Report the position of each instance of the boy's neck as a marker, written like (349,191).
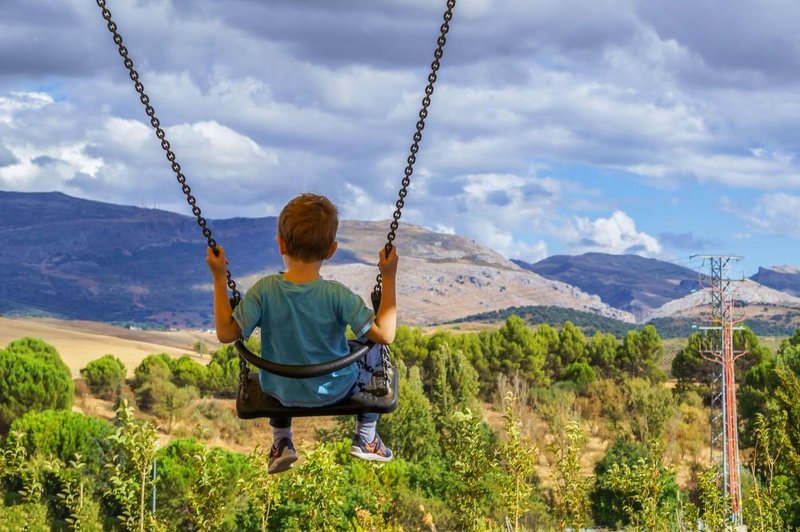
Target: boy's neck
(298,271)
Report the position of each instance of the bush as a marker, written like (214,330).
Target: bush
(32,377)
(581,374)
(607,501)
(62,434)
(187,372)
(182,467)
(104,376)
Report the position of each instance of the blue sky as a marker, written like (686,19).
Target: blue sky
(653,127)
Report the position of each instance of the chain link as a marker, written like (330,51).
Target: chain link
(162,136)
(412,157)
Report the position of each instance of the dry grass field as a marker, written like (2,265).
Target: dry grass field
(80,342)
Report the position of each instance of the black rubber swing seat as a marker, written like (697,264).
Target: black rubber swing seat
(252,402)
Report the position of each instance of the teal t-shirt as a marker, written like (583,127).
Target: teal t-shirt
(304,324)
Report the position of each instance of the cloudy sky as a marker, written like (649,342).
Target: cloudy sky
(654,127)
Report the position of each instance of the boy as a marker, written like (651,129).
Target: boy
(303,319)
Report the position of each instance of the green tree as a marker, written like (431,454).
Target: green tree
(74,495)
(518,457)
(602,352)
(260,487)
(129,468)
(470,457)
(607,501)
(648,489)
(104,376)
(640,353)
(315,494)
(19,473)
(572,345)
(38,349)
(197,485)
(410,430)
(764,506)
(454,383)
(188,372)
(581,373)
(572,487)
(715,507)
(32,377)
(64,434)
(649,408)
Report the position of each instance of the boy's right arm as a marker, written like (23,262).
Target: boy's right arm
(383,328)
(227,329)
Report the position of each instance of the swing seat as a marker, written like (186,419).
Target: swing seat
(378,395)
(259,404)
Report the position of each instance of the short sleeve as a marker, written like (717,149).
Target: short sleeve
(248,312)
(355,313)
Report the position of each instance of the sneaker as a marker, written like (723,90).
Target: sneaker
(282,456)
(375,450)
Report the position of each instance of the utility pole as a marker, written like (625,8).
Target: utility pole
(722,352)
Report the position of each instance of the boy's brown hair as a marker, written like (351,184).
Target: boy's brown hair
(308,225)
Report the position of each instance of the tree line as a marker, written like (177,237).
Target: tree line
(530,428)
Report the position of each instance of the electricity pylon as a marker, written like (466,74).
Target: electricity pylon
(722,352)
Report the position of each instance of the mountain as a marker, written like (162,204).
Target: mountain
(80,259)
(762,308)
(627,282)
(783,278)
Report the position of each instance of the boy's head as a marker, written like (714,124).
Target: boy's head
(307,226)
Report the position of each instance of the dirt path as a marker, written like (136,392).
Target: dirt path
(80,342)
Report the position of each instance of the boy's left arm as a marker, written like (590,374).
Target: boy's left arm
(227,329)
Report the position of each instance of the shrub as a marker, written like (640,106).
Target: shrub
(62,434)
(104,376)
(581,374)
(187,372)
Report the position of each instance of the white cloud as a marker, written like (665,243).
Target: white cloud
(777,213)
(21,101)
(260,108)
(616,234)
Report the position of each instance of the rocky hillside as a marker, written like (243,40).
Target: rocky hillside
(754,303)
(80,259)
(783,278)
(627,282)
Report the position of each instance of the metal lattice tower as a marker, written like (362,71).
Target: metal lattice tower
(724,425)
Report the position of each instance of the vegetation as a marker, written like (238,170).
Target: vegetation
(518,428)
(105,376)
(32,378)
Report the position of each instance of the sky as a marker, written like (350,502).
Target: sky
(661,128)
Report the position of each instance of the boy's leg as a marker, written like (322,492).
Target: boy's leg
(282,455)
(366,425)
(367,445)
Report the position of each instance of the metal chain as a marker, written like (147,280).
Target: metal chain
(181,178)
(244,379)
(412,158)
(154,121)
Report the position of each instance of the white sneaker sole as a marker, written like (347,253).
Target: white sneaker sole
(283,463)
(356,451)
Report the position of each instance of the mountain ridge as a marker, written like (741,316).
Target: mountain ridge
(81,259)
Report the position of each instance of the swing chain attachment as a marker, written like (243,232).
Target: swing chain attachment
(162,136)
(412,157)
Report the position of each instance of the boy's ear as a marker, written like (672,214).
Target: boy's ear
(281,245)
(332,250)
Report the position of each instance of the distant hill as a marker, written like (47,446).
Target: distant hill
(78,259)
(73,258)
(627,282)
(783,278)
(587,322)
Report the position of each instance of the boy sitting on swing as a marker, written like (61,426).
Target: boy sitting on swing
(303,318)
